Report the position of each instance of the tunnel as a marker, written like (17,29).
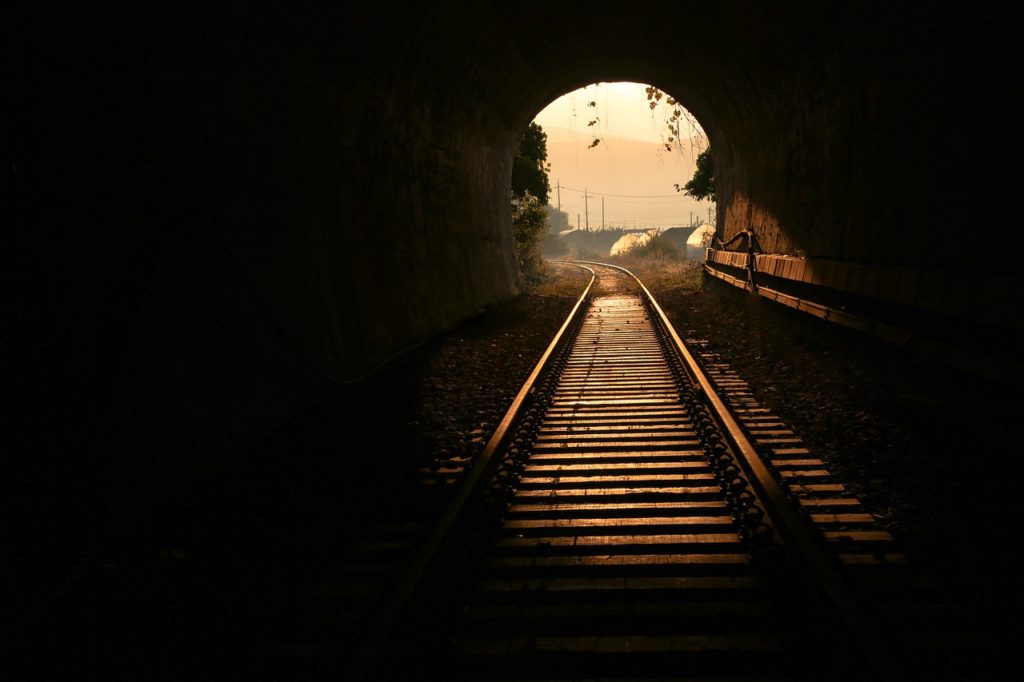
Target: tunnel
(219,215)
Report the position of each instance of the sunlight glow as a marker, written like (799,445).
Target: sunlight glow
(621,109)
(628,178)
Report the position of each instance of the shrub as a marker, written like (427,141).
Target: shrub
(658,247)
(529,222)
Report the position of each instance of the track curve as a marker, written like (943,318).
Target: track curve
(624,531)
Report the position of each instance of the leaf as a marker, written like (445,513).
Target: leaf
(592,104)
(592,123)
(668,147)
(594,144)
(653,105)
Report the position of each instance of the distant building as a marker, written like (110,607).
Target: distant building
(698,241)
(678,236)
(691,239)
(584,244)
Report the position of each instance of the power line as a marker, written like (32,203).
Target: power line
(636,201)
(627,196)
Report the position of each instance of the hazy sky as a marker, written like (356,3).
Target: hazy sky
(629,168)
(621,107)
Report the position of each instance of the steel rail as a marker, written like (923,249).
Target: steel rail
(793,530)
(484,465)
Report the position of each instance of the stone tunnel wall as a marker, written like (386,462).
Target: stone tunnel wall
(220,215)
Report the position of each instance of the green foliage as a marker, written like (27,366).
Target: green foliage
(702,185)
(530,167)
(529,223)
(530,189)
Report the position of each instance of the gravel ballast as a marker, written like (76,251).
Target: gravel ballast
(930,451)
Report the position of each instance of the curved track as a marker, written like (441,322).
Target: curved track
(621,524)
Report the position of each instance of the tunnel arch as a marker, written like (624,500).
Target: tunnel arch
(274,197)
(760,182)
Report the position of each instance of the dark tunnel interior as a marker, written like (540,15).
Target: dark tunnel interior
(219,217)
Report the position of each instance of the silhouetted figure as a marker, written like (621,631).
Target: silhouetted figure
(752,247)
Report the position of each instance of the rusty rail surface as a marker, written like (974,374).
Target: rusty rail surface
(795,531)
(639,526)
(477,476)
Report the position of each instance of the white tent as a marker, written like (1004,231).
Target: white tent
(699,240)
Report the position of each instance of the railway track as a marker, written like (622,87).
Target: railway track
(636,517)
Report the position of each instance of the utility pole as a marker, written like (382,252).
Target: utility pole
(577,221)
(559,184)
(586,209)
(602,214)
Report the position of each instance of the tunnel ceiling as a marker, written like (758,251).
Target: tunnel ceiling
(237,208)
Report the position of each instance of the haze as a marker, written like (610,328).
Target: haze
(629,169)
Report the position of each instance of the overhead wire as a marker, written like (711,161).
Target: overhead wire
(625,196)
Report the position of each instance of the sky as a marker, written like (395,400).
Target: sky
(629,170)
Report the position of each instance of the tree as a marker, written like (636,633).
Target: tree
(530,168)
(530,189)
(529,221)
(702,185)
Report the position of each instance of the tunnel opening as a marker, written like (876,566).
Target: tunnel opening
(618,164)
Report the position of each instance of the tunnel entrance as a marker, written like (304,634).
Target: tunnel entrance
(625,169)
(224,217)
